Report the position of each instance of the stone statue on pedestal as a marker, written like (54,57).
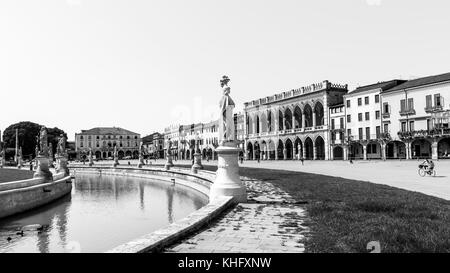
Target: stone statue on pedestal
(61,149)
(141,155)
(228,181)
(116,157)
(42,159)
(43,141)
(226,119)
(169,162)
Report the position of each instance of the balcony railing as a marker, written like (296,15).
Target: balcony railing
(386,115)
(430,109)
(438,132)
(405,112)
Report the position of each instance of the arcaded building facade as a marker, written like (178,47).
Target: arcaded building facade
(292,124)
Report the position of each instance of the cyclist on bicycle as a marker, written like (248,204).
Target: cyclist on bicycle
(428,164)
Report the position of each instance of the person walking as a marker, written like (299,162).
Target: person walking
(302,159)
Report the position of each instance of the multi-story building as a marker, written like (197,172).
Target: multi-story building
(239,129)
(338,150)
(102,140)
(154,144)
(417,118)
(364,122)
(291,124)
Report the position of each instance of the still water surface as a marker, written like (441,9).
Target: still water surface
(102,212)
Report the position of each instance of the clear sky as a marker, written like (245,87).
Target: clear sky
(143,65)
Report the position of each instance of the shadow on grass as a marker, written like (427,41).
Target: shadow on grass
(347,214)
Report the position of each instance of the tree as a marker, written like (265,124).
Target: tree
(27,136)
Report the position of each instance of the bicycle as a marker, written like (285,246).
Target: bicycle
(423,170)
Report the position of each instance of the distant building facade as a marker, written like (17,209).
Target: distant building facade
(291,124)
(365,138)
(154,145)
(102,141)
(416,115)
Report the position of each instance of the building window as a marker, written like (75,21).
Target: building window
(348,103)
(377,114)
(411,125)
(372,148)
(349,118)
(360,117)
(377,98)
(386,128)
(386,108)
(403,128)
(367,133)
(360,131)
(332,124)
(437,100)
(341,123)
(402,105)
(366,100)
(428,102)
(349,132)
(378,131)
(359,101)
(410,104)
(81,144)
(367,116)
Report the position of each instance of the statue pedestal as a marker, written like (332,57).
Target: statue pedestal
(169,162)
(197,163)
(62,165)
(42,170)
(116,162)
(141,162)
(228,182)
(19,163)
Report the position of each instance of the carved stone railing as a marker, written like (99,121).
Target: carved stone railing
(309,129)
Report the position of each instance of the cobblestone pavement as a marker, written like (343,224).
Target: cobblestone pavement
(270,222)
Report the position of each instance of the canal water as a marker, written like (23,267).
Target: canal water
(101,213)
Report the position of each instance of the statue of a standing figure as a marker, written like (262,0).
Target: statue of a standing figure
(169,147)
(226,119)
(43,139)
(61,149)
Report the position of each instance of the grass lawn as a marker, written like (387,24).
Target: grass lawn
(347,214)
(8,175)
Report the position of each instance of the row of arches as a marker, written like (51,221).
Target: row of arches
(287,150)
(420,148)
(288,119)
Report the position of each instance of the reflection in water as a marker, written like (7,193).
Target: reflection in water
(141,195)
(169,193)
(100,214)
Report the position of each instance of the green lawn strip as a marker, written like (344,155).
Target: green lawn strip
(8,175)
(347,214)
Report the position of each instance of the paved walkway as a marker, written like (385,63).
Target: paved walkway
(270,222)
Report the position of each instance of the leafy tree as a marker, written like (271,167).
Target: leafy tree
(27,136)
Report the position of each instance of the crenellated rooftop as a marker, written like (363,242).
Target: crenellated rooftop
(321,86)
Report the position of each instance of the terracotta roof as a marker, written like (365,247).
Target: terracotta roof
(380,85)
(107,131)
(421,81)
